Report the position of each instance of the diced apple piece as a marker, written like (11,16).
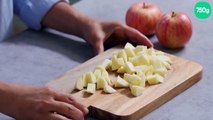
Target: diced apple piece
(90,77)
(140,48)
(79,85)
(129,45)
(159,53)
(126,75)
(155,79)
(120,82)
(97,73)
(133,60)
(129,67)
(165,58)
(105,75)
(85,81)
(136,90)
(149,75)
(161,71)
(161,60)
(109,89)
(151,52)
(101,83)
(156,62)
(129,52)
(143,79)
(117,62)
(143,68)
(91,88)
(133,79)
(141,59)
(167,65)
(122,54)
(121,70)
(107,64)
(145,60)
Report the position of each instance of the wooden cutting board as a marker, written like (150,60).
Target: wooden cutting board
(122,105)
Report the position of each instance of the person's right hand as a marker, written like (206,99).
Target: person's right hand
(42,103)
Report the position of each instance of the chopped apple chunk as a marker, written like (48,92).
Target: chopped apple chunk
(117,62)
(120,82)
(90,77)
(97,73)
(107,64)
(129,45)
(129,52)
(140,49)
(91,88)
(101,83)
(79,85)
(155,79)
(122,54)
(109,89)
(136,90)
(121,70)
(129,67)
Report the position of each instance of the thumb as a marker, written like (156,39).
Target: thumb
(98,47)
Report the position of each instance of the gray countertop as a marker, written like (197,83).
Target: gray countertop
(33,57)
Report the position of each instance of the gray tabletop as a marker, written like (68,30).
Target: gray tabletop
(36,57)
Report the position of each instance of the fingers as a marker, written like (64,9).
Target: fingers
(55,116)
(69,99)
(79,106)
(98,42)
(137,37)
(98,47)
(67,110)
(132,34)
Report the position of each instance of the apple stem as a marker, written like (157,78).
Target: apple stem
(173,14)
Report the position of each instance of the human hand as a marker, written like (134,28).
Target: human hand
(95,32)
(42,103)
(112,33)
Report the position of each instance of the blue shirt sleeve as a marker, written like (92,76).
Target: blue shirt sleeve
(33,11)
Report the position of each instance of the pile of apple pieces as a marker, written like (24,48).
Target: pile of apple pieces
(137,66)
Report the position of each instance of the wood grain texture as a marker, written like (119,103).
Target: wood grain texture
(122,105)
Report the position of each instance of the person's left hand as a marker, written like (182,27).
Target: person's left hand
(112,33)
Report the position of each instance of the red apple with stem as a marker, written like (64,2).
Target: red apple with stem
(143,17)
(174,30)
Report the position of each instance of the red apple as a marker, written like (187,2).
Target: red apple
(143,17)
(174,30)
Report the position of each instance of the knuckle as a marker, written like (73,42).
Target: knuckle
(97,37)
(71,98)
(43,104)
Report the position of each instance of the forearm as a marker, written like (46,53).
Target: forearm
(6,98)
(65,18)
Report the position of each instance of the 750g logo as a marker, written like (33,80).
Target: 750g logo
(202,9)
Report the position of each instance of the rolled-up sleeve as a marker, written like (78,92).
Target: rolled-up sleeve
(33,11)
